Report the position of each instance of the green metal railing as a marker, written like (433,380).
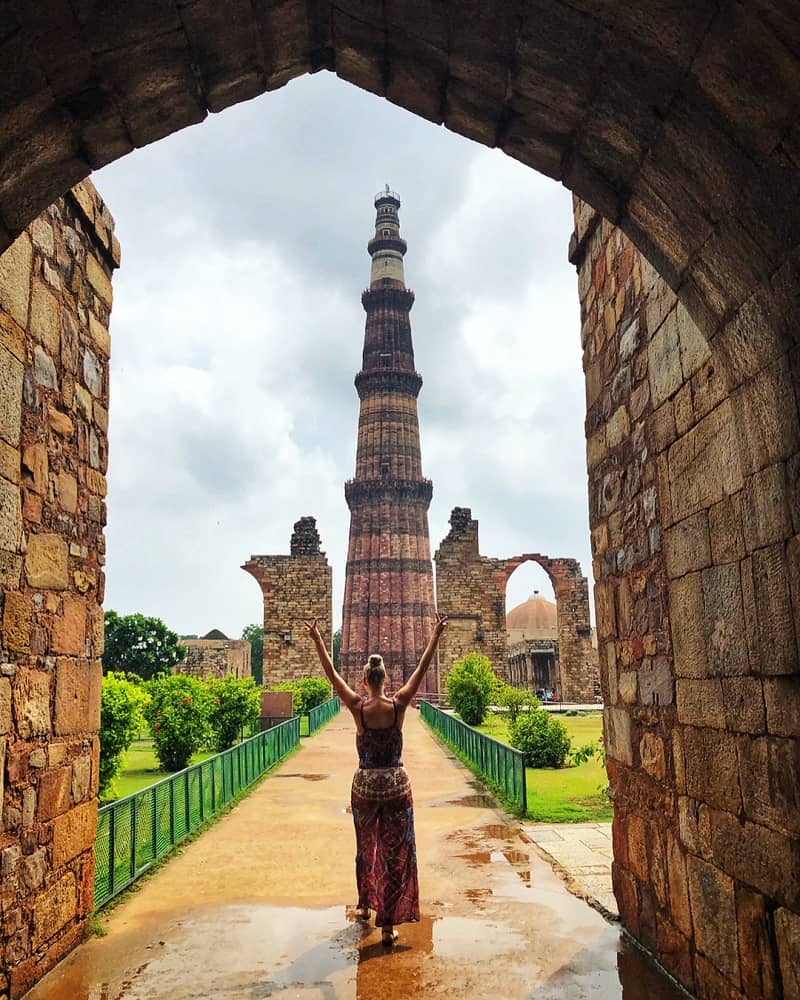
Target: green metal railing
(134,832)
(501,765)
(323,713)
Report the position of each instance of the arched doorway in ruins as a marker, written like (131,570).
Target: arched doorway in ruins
(679,126)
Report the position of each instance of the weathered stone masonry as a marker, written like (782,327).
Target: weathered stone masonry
(55,301)
(295,587)
(216,658)
(693,460)
(471,591)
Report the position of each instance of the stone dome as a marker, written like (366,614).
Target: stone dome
(536,618)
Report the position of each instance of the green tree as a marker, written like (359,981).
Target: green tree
(469,687)
(140,645)
(513,700)
(121,718)
(337,647)
(233,703)
(254,634)
(178,715)
(542,739)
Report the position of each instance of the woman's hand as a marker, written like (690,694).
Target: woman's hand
(312,630)
(440,626)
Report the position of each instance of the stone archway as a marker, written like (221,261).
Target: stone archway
(578,667)
(679,124)
(471,591)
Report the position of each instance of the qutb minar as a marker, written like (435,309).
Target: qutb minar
(388,596)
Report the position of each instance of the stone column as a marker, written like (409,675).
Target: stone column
(295,587)
(55,302)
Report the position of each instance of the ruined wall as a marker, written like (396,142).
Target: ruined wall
(295,587)
(471,591)
(216,658)
(693,464)
(55,300)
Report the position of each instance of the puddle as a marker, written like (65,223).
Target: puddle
(498,831)
(305,777)
(472,802)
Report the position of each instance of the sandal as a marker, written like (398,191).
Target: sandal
(388,937)
(362,912)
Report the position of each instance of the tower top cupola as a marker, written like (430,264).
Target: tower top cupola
(387,247)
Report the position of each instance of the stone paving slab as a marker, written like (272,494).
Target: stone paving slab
(582,852)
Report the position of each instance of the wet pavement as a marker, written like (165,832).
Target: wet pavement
(258,906)
(583,854)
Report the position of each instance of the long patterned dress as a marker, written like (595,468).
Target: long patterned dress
(383,814)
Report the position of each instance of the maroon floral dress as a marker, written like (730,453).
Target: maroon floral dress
(383,815)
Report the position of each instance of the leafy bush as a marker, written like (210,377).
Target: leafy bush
(541,738)
(307,693)
(178,715)
(514,700)
(121,718)
(140,645)
(233,703)
(469,687)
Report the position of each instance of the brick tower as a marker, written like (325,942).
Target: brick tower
(388,595)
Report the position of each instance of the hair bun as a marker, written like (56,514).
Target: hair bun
(375,660)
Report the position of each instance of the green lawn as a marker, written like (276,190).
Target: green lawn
(567,794)
(140,769)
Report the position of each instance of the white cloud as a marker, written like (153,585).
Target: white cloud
(237,330)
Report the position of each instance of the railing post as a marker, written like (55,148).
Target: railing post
(154,824)
(112,852)
(134,835)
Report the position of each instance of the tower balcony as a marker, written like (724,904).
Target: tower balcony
(378,380)
(387,297)
(364,492)
(396,243)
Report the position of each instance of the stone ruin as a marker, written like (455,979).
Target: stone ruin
(471,591)
(295,587)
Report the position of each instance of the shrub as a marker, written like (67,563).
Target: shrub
(178,717)
(233,703)
(514,700)
(541,738)
(469,687)
(121,718)
(307,693)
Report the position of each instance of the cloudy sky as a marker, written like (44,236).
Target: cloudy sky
(237,330)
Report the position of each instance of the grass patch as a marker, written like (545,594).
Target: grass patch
(566,794)
(140,769)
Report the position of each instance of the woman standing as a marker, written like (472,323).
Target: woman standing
(383,809)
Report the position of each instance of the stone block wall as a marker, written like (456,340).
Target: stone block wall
(471,591)
(295,587)
(693,451)
(216,658)
(55,302)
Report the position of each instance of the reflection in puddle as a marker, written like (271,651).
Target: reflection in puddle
(471,801)
(498,831)
(305,777)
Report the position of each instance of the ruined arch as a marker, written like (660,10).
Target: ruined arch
(579,675)
(471,591)
(679,124)
(675,122)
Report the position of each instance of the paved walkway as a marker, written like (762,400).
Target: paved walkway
(582,853)
(258,905)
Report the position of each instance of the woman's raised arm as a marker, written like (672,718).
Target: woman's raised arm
(406,693)
(338,683)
